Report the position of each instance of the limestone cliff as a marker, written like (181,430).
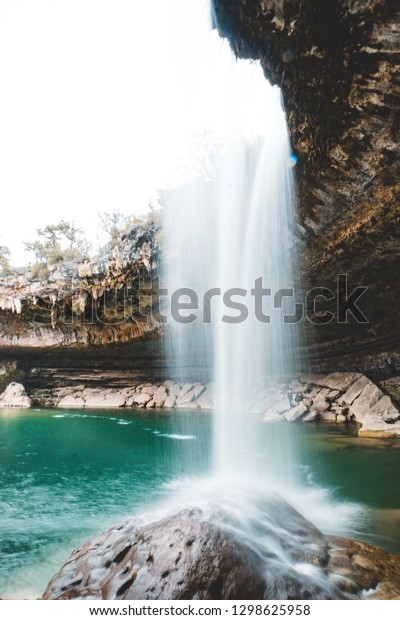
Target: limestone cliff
(337,63)
(73,316)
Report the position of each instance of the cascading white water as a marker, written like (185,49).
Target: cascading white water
(228,231)
(228,227)
(254,202)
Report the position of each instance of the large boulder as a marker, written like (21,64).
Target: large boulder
(187,395)
(15,396)
(141,400)
(343,397)
(72,400)
(296,413)
(334,381)
(369,397)
(377,427)
(386,410)
(259,548)
(160,396)
(179,558)
(107,399)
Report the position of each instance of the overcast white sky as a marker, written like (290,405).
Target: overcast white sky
(100,100)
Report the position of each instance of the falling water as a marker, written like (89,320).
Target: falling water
(228,229)
(254,202)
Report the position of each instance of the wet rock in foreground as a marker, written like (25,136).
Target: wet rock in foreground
(192,556)
(178,558)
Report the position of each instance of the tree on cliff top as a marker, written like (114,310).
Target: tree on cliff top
(4,259)
(113,222)
(58,242)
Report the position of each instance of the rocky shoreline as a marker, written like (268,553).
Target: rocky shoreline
(337,398)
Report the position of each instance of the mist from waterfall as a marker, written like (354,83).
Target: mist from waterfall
(227,231)
(229,227)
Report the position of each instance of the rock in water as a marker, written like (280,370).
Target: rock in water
(363,569)
(212,554)
(179,558)
(260,549)
(15,396)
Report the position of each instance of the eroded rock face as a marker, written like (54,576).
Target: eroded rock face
(74,305)
(336,62)
(195,555)
(84,318)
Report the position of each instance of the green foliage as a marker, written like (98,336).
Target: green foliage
(4,259)
(39,272)
(59,242)
(38,248)
(113,223)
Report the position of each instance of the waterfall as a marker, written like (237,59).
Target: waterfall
(255,203)
(228,232)
(228,227)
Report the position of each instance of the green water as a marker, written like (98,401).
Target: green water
(65,476)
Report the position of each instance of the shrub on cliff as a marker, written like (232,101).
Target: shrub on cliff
(58,242)
(4,259)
